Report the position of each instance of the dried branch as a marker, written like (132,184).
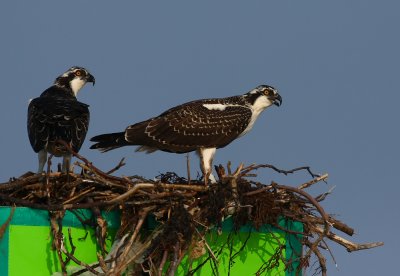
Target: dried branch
(6,223)
(124,263)
(321,258)
(58,238)
(116,168)
(317,179)
(251,168)
(350,246)
(137,198)
(162,263)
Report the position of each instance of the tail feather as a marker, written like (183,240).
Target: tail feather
(109,141)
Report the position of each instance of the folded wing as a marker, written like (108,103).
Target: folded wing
(52,119)
(191,126)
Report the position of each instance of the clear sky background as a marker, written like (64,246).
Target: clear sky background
(336,65)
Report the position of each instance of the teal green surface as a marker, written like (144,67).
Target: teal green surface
(4,243)
(25,248)
(27,244)
(260,246)
(35,217)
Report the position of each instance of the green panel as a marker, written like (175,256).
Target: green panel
(25,248)
(35,217)
(4,242)
(293,244)
(29,247)
(259,248)
(30,250)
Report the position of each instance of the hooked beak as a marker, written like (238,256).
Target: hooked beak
(277,99)
(91,79)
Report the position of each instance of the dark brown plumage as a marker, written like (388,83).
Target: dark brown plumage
(58,115)
(198,125)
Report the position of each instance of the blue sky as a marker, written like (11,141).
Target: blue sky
(336,66)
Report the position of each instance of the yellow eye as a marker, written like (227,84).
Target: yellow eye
(78,73)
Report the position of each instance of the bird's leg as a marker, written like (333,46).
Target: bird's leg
(42,157)
(66,163)
(206,159)
(206,177)
(211,177)
(202,166)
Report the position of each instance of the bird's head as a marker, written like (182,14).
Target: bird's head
(75,78)
(263,96)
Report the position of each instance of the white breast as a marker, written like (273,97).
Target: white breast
(77,84)
(259,106)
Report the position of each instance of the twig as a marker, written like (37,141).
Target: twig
(350,246)
(136,197)
(79,195)
(150,185)
(162,263)
(334,223)
(102,263)
(58,238)
(321,258)
(207,246)
(330,252)
(324,216)
(101,228)
(322,196)
(23,181)
(71,244)
(116,168)
(317,179)
(258,191)
(89,164)
(7,222)
(122,265)
(285,172)
(110,180)
(174,263)
(73,258)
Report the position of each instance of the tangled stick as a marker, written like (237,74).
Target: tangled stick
(179,209)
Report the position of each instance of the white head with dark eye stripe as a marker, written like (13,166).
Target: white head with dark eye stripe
(263,96)
(75,78)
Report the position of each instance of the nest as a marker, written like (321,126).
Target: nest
(186,210)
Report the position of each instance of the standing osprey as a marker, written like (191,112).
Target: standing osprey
(202,126)
(57,115)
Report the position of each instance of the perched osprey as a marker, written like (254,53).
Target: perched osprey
(202,126)
(57,115)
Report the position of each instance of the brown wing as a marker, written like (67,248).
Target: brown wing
(191,126)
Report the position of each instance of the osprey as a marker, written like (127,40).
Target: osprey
(201,125)
(57,115)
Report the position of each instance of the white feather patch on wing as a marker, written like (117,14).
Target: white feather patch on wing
(220,107)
